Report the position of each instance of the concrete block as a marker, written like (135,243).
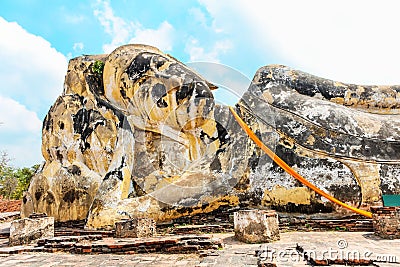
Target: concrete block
(26,231)
(136,227)
(256,226)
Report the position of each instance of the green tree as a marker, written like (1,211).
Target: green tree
(4,160)
(23,176)
(14,181)
(8,181)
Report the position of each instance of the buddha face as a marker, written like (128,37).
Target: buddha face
(155,90)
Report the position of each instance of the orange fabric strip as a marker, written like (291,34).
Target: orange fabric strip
(292,172)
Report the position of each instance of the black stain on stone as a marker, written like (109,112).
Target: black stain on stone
(178,70)
(193,85)
(391,184)
(73,195)
(142,63)
(49,198)
(123,93)
(95,83)
(202,92)
(347,192)
(122,88)
(184,93)
(47,123)
(85,122)
(70,196)
(38,194)
(117,173)
(48,120)
(158,92)
(222,135)
(74,170)
(215,164)
(139,66)
(303,83)
(161,103)
(304,87)
(287,155)
(102,103)
(158,61)
(253,160)
(161,159)
(81,123)
(59,155)
(315,207)
(251,198)
(137,190)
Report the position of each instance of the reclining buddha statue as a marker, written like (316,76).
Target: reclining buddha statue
(137,133)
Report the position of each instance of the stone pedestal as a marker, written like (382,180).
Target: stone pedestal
(256,226)
(25,231)
(137,227)
(386,221)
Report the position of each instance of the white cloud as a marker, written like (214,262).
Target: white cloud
(113,25)
(31,71)
(160,38)
(123,32)
(31,77)
(78,47)
(209,43)
(24,151)
(20,131)
(198,53)
(198,16)
(351,41)
(15,117)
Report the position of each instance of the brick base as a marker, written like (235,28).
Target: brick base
(386,221)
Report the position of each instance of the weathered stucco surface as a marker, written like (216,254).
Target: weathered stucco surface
(144,137)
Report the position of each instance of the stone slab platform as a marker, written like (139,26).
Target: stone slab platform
(96,244)
(234,253)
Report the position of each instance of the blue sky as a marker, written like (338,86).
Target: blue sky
(350,41)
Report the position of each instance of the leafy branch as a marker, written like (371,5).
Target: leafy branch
(98,67)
